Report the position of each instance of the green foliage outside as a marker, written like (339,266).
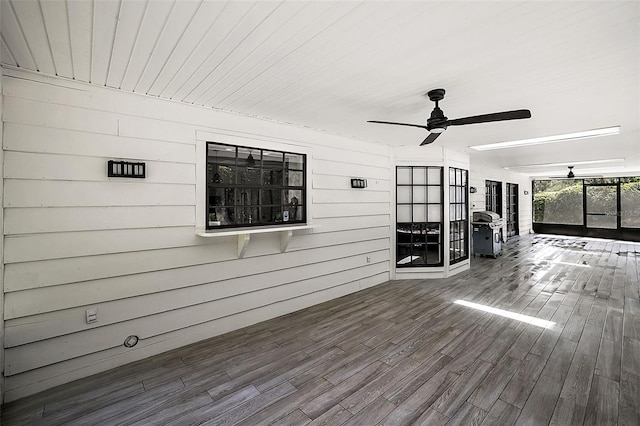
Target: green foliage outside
(557,201)
(630,204)
(560,201)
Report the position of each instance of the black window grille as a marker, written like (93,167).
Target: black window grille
(458,215)
(493,196)
(512,209)
(250,187)
(419,216)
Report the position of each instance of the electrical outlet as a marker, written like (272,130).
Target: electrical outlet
(368,259)
(92,315)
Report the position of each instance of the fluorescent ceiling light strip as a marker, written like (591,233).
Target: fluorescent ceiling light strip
(567,163)
(550,139)
(519,317)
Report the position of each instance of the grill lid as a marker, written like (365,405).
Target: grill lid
(486,217)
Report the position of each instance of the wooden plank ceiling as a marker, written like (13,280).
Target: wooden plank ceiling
(334,65)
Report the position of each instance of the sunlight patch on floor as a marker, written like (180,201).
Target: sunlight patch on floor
(507,314)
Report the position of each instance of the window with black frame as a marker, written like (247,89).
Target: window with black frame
(493,196)
(248,187)
(419,216)
(558,201)
(458,215)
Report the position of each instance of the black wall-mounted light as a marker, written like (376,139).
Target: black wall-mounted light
(358,183)
(126,169)
(473,189)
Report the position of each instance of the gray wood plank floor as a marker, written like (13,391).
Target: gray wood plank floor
(403,353)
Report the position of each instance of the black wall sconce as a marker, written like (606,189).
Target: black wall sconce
(125,169)
(358,183)
(473,189)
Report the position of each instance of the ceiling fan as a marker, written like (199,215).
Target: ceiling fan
(438,123)
(571,175)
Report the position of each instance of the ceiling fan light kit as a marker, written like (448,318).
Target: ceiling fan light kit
(437,122)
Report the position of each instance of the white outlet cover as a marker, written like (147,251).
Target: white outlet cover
(92,315)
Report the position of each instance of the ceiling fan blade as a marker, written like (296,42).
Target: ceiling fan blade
(398,124)
(575,177)
(432,137)
(496,116)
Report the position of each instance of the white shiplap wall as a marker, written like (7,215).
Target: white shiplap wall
(479,173)
(75,239)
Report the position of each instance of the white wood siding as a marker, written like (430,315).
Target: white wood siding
(75,239)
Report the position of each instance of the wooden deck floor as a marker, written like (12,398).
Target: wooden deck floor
(403,353)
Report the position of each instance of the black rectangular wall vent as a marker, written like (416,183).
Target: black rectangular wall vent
(126,169)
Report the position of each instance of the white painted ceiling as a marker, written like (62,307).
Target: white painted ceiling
(335,65)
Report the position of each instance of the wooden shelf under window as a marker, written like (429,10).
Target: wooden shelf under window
(244,235)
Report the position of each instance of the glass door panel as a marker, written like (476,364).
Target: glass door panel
(630,202)
(512,209)
(601,202)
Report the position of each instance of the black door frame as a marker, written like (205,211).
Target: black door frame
(493,190)
(512,209)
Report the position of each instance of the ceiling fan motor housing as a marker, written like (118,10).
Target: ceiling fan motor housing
(437,122)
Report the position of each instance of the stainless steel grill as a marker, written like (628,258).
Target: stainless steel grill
(486,233)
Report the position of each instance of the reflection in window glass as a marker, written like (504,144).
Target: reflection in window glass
(294,161)
(294,178)
(630,202)
(272,177)
(254,187)
(271,197)
(558,202)
(602,222)
(419,216)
